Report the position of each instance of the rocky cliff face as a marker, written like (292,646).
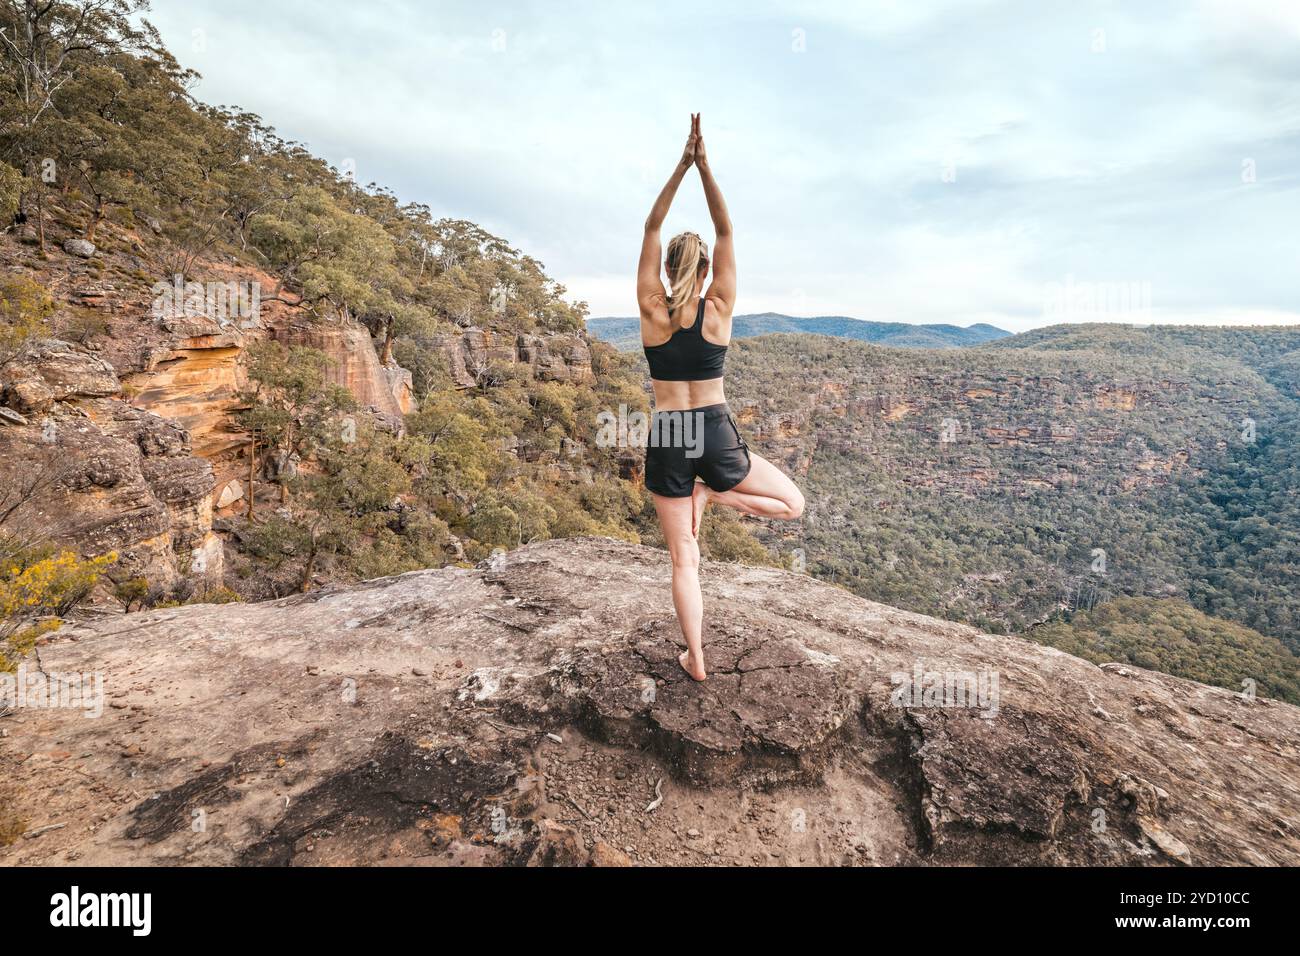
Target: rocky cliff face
(134,428)
(180,366)
(550,358)
(383,389)
(82,467)
(955,422)
(532,711)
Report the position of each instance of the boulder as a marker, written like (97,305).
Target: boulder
(232,492)
(49,370)
(81,248)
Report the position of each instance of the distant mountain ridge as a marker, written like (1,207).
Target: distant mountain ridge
(625,333)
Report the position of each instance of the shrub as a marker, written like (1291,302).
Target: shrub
(37,588)
(24,307)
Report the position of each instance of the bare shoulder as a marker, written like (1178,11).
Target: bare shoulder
(656,324)
(717,321)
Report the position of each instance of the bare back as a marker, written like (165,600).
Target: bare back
(659,326)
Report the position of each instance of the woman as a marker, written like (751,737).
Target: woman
(699,456)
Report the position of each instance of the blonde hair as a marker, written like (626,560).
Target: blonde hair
(687,255)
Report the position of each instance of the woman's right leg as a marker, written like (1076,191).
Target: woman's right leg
(675,520)
(765,492)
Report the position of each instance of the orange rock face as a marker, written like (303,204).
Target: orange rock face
(354,363)
(196,386)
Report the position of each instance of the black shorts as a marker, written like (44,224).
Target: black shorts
(702,442)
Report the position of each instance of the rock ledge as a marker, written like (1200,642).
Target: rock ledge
(529,711)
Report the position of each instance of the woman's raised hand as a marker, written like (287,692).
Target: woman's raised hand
(688,154)
(698,137)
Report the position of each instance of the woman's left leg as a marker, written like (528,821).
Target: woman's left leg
(679,536)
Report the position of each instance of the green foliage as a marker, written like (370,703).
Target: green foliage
(347,516)
(11,191)
(131,593)
(1067,440)
(39,584)
(1172,636)
(82,325)
(25,305)
(291,402)
(723,537)
(492,498)
(54,60)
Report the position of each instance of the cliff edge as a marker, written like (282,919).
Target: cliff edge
(531,710)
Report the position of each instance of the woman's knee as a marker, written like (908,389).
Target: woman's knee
(794,505)
(685,552)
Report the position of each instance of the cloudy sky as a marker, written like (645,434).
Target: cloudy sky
(961,161)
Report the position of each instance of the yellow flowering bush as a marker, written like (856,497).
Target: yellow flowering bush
(35,590)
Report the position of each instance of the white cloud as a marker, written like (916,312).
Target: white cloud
(555,125)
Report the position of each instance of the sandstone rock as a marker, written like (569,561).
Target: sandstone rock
(199,330)
(800,727)
(232,492)
(602,854)
(153,435)
(103,476)
(48,370)
(354,364)
(196,384)
(31,395)
(399,383)
(81,248)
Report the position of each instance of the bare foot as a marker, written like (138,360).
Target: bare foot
(683,659)
(699,501)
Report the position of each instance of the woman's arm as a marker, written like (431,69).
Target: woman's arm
(649,287)
(723,288)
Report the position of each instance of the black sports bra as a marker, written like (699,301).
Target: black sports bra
(688,356)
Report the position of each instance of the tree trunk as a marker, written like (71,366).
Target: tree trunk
(40,217)
(310,568)
(387,357)
(95,220)
(252,464)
